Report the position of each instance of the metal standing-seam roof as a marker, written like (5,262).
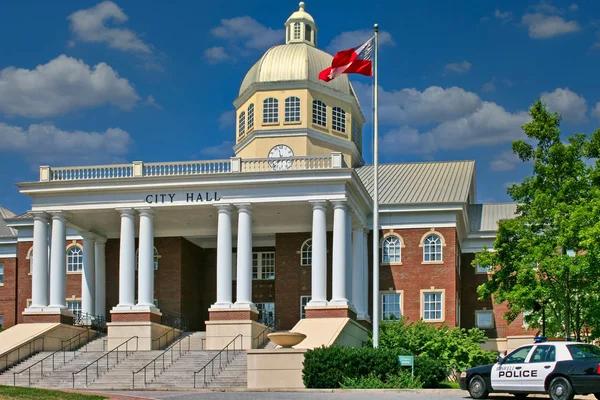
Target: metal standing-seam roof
(421,182)
(5,230)
(485,217)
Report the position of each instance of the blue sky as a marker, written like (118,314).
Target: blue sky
(85,82)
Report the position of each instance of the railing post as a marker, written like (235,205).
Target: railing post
(138,169)
(236,164)
(44,173)
(336,160)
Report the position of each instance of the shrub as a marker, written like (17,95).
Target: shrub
(431,371)
(326,367)
(402,380)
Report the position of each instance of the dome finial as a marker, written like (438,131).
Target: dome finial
(301,4)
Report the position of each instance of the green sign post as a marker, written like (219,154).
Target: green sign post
(407,361)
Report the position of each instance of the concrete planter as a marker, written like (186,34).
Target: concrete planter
(286,339)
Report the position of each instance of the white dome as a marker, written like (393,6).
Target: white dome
(300,14)
(294,62)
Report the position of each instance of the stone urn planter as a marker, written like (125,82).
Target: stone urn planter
(286,339)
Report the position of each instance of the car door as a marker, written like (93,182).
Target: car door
(506,375)
(539,365)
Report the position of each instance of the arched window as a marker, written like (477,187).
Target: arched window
(391,250)
(74,259)
(306,253)
(250,116)
(292,109)
(156,258)
(270,110)
(432,248)
(30,258)
(296,30)
(338,119)
(319,116)
(242,123)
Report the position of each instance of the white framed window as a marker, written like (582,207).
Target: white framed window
(356,134)
(484,319)
(1,320)
(263,265)
(303,302)
(307,33)
(306,253)
(297,30)
(391,250)
(251,116)
(242,123)
(1,274)
(156,258)
(338,119)
(432,248)
(270,110)
(266,313)
(74,306)
(482,269)
(319,115)
(432,303)
(30,258)
(292,109)
(391,305)
(75,259)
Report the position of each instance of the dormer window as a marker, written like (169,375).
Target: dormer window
(296,30)
(307,33)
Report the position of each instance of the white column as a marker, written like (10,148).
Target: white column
(88,277)
(365,272)
(339,254)
(146,259)
(224,256)
(319,255)
(349,260)
(358,287)
(244,257)
(127,259)
(100,280)
(58,267)
(39,284)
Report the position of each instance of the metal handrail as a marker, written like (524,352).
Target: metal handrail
(211,362)
(126,343)
(172,330)
(41,362)
(170,348)
(18,350)
(258,337)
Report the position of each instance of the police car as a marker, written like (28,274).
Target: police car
(560,368)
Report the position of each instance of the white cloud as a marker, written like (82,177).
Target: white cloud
(489,86)
(545,7)
(458,67)
(223,150)
(596,110)
(569,104)
(411,106)
(60,86)
(249,31)
(47,144)
(227,119)
(215,55)
(349,39)
(90,25)
(151,101)
(489,125)
(504,16)
(573,7)
(505,161)
(543,26)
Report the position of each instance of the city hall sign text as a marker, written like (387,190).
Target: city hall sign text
(191,197)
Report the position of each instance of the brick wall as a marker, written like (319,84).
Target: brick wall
(23,278)
(8,292)
(413,275)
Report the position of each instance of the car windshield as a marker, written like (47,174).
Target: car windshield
(583,351)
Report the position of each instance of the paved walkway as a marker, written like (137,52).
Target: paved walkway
(434,394)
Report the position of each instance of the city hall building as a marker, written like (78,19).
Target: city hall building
(279,235)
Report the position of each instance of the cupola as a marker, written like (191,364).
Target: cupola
(300,27)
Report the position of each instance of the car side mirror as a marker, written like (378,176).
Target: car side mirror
(499,359)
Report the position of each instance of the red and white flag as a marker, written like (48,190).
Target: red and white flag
(358,60)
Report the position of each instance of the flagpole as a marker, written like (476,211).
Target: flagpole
(375,315)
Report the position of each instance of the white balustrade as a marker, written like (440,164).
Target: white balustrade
(92,172)
(187,168)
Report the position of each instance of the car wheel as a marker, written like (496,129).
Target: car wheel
(477,388)
(561,389)
(520,395)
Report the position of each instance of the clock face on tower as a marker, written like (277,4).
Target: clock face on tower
(282,152)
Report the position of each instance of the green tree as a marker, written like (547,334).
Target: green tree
(544,259)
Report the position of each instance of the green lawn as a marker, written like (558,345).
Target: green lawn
(15,392)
